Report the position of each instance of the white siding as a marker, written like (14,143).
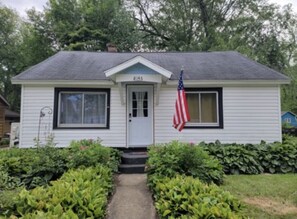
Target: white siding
(35,97)
(251,114)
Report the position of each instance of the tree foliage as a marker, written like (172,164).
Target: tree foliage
(262,31)
(90,24)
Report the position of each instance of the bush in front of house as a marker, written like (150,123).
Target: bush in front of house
(88,152)
(186,197)
(167,160)
(280,157)
(236,158)
(80,193)
(255,159)
(38,166)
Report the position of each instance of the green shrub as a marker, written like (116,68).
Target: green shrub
(175,157)
(17,162)
(280,158)
(7,198)
(4,142)
(49,164)
(39,166)
(236,159)
(256,159)
(186,197)
(78,193)
(8,182)
(89,153)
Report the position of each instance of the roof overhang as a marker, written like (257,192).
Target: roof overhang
(115,73)
(230,82)
(63,82)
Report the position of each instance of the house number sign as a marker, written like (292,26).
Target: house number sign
(137,78)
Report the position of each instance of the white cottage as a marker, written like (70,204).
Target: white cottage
(127,99)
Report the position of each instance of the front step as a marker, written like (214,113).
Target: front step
(133,162)
(132,168)
(134,158)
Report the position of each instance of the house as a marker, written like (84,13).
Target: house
(289,118)
(128,99)
(3,107)
(10,117)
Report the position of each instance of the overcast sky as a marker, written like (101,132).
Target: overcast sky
(22,5)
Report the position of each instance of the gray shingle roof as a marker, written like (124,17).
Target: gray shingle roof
(73,65)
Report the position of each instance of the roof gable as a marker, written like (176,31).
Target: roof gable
(134,61)
(288,113)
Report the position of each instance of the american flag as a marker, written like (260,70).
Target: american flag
(181,115)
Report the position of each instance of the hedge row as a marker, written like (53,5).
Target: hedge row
(39,166)
(256,159)
(80,193)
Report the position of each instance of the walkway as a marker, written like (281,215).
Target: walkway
(132,199)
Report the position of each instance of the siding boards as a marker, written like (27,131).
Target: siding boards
(251,114)
(34,98)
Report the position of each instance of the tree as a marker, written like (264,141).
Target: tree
(260,30)
(9,41)
(90,24)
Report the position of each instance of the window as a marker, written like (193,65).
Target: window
(81,108)
(288,120)
(205,108)
(139,104)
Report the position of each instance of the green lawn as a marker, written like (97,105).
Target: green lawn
(266,195)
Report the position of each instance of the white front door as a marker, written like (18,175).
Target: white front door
(140,115)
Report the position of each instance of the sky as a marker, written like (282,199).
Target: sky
(22,5)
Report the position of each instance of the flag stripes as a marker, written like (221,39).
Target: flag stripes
(181,115)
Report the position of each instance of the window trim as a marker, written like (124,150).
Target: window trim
(220,123)
(56,116)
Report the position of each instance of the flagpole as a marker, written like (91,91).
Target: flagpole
(178,132)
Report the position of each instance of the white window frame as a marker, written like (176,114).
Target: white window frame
(82,125)
(200,124)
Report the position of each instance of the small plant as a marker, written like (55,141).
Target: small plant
(186,197)
(78,193)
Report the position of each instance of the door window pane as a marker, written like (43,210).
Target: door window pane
(139,104)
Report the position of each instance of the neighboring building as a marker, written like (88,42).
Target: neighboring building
(128,99)
(3,107)
(289,118)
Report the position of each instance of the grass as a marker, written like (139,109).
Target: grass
(266,195)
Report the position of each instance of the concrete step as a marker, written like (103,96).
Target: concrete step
(132,168)
(134,158)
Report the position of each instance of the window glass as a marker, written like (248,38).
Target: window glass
(193,105)
(82,109)
(139,104)
(203,108)
(94,108)
(208,108)
(71,108)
